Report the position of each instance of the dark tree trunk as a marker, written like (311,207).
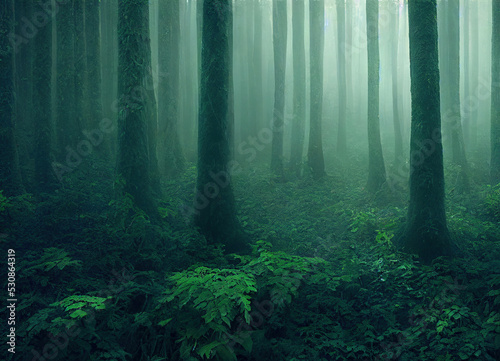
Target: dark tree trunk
(65,102)
(171,157)
(376,166)
(317,28)
(134,108)
(42,89)
(425,232)
(342,85)
(495,94)
(10,179)
(299,86)
(215,212)
(279,44)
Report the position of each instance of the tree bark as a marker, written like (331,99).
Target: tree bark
(215,212)
(495,94)
(376,166)
(342,84)
(317,26)
(299,86)
(426,231)
(10,179)
(279,45)
(134,108)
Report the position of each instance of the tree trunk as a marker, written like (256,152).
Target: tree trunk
(376,166)
(299,86)
(171,157)
(93,51)
(495,94)
(342,85)
(80,71)
(398,135)
(317,26)
(215,212)
(10,179)
(42,81)
(279,45)
(425,232)
(453,114)
(133,47)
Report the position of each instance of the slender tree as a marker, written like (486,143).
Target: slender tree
(134,110)
(10,179)
(93,53)
(398,135)
(80,59)
(317,26)
(376,166)
(65,112)
(171,157)
(279,46)
(453,114)
(216,213)
(299,86)
(341,77)
(495,94)
(42,103)
(256,70)
(426,232)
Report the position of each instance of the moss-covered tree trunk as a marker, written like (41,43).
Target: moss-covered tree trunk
(10,179)
(215,212)
(317,28)
(134,107)
(279,46)
(170,157)
(376,166)
(495,94)
(299,86)
(425,232)
(341,80)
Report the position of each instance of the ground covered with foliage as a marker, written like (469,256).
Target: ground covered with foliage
(98,280)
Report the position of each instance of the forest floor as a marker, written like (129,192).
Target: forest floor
(98,281)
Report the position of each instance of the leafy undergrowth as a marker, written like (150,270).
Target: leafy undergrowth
(98,280)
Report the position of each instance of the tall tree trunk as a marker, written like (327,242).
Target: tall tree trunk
(376,166)
(65,102)
(341,76)
(256,70)
(215,212)
(134,108)
(495,94)
(93,52)
(42,103)
(299,86)
(474,73)
(80,70)
(279,45)
(466,115)
(109,71)
(425,232)
(171,157)
(454,112)
(317,28)
(398,135)
(10,179)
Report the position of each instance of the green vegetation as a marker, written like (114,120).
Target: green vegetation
(323,282)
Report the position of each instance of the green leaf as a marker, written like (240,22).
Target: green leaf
(78,314)
(164,322)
